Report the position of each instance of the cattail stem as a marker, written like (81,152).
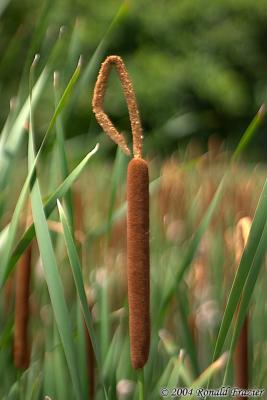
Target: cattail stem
(22,311)
(141,385)
(138,260)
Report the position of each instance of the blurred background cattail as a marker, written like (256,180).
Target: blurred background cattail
(22,311)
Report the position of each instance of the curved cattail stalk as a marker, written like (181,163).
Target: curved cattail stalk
(241,353)
(101,116)
(22,310)
(137,214)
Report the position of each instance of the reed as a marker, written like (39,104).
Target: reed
(137,212)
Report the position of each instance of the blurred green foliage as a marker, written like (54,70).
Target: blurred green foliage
(198,67)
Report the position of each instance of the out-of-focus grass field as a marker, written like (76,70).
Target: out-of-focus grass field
(186,309)
(200,292)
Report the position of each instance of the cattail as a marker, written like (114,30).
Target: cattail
(241,353)
(137,214)
(22,310)
(138,260)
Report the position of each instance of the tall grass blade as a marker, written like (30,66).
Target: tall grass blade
(247,294)
(212,369)
(192,248)
(23,195)
(3,5)
(63,163)
(49,206)
(117,176)
(243,271)
(78,279)
(16,130)
(52,276)
(249,133)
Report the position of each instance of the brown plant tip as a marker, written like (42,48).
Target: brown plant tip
(262,111)
(138,260)
(241,352)
(101,116)
(241,236)
(21,348)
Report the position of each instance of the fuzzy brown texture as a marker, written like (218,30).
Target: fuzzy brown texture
(22,311)
(101,116)
(138,260)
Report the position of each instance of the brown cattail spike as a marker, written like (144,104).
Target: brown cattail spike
(138,260)
(21,347)
(22,307)
(101,116)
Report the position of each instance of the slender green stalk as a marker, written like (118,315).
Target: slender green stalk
(249,133)
(141,384)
